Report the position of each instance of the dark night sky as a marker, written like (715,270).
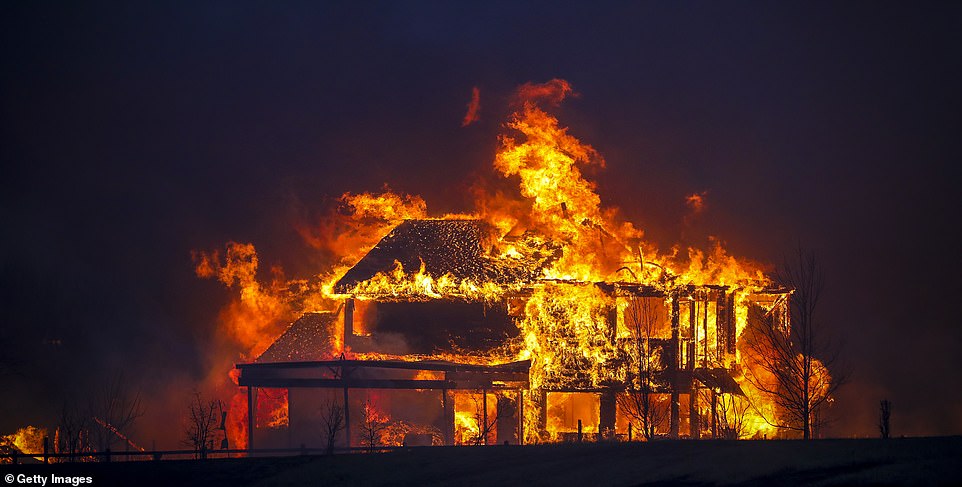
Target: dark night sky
(135,132)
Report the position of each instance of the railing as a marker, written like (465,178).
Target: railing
(158,455)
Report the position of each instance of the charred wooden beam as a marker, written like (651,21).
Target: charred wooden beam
(283,382)
(721,324)
(489,376)
(705,326)
(693,424)
(675,412)
(348,322)
(730,324)
(447,412)
(520,416)
(520,366)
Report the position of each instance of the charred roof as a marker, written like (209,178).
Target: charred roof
(306,339)
(453,247)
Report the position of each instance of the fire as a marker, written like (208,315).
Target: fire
(475,418)
(28,439)
(573,266)
(473,108)
(252,319)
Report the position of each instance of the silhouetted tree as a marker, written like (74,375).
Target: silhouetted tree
(884,413)
(641,402)
(730,416)
(73,433)
(486,423)
(371,425)
(794,355)
(332,422)
(115,409)
(201,426)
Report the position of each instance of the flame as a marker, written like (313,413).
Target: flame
(252,319)
(28,439)
(469,418)
(571,329)
(473,108)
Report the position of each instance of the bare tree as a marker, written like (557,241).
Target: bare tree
(486,422)
(371,425)
(792,357)
(115,409)
(332,422)
(884,414)
(201,424)
(641,401)
(73,434)
(732,409)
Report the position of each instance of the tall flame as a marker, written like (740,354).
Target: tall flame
(555,221)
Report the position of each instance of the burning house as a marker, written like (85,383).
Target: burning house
(541,317)
(527,359)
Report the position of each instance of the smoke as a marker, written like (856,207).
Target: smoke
(474,107)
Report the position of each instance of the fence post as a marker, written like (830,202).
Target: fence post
(46,449)
(107,455)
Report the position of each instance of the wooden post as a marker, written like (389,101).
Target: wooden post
(520,416)
(251,404)
(714,414)
(731,324)
(705,338)
(579,431)
(348,322)
(540,398)
(629,431)
(673,373)
(721,324)
(484,405)
(46,449)
(447,416)
(693,340)
(693,419)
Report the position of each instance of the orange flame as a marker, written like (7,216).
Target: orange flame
(473,108)
(28,439)
(555,218)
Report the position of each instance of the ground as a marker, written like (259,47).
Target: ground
(909,461)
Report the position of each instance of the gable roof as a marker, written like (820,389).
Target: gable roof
(452,247)
(307,339)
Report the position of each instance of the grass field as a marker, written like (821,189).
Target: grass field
(909,461)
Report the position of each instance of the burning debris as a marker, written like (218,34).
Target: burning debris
(542,317)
